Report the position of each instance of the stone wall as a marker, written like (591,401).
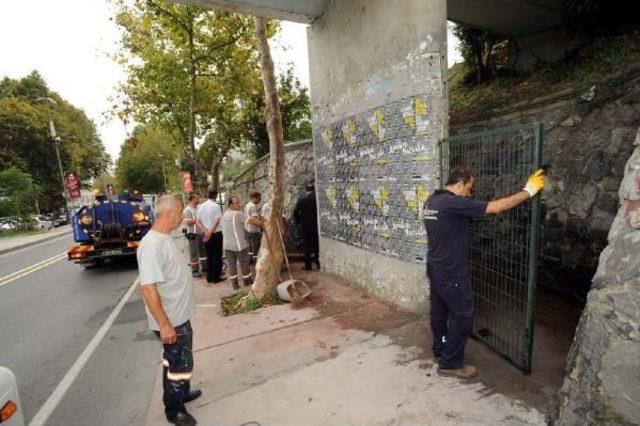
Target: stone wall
(602,383)
(589,136)
(378,101)
(298,173)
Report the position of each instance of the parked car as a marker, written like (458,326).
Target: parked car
(10,408)
(42,222)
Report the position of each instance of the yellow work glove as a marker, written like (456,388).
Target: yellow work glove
(535,183)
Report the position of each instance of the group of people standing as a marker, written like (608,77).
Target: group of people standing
(238,234)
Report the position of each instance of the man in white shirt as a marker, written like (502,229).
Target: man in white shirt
(170,302)
(209,215)
(254,233)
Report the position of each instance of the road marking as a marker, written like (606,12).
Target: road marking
(29,269)
(45,411)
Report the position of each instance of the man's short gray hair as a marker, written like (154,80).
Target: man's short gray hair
(165,204)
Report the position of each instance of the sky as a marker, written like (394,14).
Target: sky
(69,42)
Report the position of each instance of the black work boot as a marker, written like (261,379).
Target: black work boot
(194,394)
(182,418)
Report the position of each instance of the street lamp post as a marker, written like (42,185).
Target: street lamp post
(56,142)
(164,174)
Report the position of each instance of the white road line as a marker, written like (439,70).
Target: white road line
(45,411)
(29,269)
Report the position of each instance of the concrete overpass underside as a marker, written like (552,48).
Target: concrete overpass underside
(513,18)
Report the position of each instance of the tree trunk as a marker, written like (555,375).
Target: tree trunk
(270,257)
(199,171)
(215,174)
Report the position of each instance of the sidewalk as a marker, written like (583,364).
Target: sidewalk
(344,358)
(14,243)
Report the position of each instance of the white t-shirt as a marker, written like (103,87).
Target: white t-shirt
(160,262)
(208,212)
(251,210)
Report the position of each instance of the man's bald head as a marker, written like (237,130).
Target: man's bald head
(168,212)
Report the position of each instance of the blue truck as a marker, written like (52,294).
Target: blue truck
(110,227)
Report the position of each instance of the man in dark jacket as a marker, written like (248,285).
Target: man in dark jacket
(306,216)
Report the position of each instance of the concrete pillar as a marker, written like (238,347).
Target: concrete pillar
(379,109)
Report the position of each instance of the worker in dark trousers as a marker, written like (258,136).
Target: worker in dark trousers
(447,216)
(306,216)
(209,216)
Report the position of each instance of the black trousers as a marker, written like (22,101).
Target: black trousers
(311,248)
(214,257)
(451,318)
(177,366)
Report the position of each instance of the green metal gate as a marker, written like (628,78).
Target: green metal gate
(504,247)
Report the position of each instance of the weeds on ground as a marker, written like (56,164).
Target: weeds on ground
(584,67)
(240,302)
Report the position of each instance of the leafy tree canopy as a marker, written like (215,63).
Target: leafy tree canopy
(140,164)
(18,193)
(25,141)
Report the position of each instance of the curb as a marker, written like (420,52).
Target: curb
(31,243)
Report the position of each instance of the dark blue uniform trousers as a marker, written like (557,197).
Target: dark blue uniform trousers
(451,318)
(177,362)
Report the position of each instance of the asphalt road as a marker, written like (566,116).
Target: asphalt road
(50,310)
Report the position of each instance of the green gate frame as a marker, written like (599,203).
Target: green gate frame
(515,141)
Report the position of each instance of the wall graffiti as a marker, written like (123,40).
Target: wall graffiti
(374,172)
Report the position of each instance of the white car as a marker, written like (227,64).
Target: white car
(10,408)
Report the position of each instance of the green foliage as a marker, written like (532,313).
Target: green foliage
(231,305)
(139,166)
(231,169)
(477,47)
(106,178)
(586,66)
(18,193)
(294,107)
(189,70)
(25,142)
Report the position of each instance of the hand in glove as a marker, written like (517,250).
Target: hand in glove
(535,183)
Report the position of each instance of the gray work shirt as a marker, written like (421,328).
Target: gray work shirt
(233,235)
(161,263)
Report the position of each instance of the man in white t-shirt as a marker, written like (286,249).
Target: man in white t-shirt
(170,303)
(209,215)
(254,233)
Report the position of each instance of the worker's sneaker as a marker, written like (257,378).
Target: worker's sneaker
(465,372)
(235,285)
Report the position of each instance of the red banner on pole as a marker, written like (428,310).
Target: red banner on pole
(187,185)
(72,182)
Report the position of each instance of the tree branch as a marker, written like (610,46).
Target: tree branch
(213,48)
(168,13)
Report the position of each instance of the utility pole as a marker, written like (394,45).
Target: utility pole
(56,142)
